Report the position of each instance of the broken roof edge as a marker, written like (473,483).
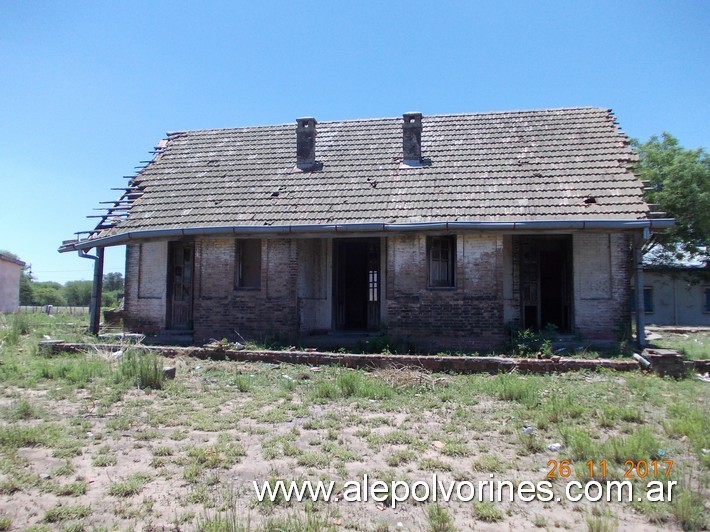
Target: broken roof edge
(655,224)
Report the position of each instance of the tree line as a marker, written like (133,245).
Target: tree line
(71,293)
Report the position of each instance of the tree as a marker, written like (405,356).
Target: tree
(78,293)
(112,289)
(680,181)
(113,281)
(48,293)
(25,286)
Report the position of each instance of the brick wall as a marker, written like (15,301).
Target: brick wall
(271,311)
(295,296)
(146,286)
(468,317)
(602,272)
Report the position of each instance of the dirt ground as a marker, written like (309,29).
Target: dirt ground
(184,457)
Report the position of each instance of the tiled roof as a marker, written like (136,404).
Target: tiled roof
(488,167)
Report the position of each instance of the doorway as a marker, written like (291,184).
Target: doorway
(545,265)
(180,281)
(356,281)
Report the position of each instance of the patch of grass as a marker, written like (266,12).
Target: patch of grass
(562,407)
(334,450)
(456,449)
(601,521)
(432,464)
(21,410)
(314,459)
(529,444)
(349,382)
(68,512)
(401,457)
(43,435)
(5,523)
(77,370)
(513,387)
(438,519)
(640,445)
(163,451)
(140,368)
(19,325)
(490,463)
(540,521)
(242,383)
(72,489)
(64,470)
(487,511)
(579,445)
(133,485)
(310,521)
(266,503)
(104,460)
(228,521)
(693,422)
(689,509)
(219,455)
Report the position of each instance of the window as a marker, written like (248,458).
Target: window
(647,300)
(441,252)
(248,264)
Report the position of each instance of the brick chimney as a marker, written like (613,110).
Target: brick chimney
(412,138)
(305,142)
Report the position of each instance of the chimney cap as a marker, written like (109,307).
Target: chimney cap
(305,121)
(412,116)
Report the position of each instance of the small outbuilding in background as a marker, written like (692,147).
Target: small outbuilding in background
(10,270)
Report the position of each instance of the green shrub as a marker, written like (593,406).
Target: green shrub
(140,368)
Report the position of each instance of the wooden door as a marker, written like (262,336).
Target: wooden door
(180,283)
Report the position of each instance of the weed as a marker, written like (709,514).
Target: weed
(689,509)
(324,391)
(438,519)
(133,485)
(641,445)
(601,521)
(104,460)
(487,511)
(432,464)
(529,444)
(227,521)
(540,521)
(20,325)
(142,369)
(318,460)
(511,387)
(76,370)
(490,463)
(21,410)
(397,458)
(68,512)
(73,489)
(242,383)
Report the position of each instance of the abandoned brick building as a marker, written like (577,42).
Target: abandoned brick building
(441,230)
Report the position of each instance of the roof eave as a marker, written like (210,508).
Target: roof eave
(656,224)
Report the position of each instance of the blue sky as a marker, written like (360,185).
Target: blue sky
(88,88)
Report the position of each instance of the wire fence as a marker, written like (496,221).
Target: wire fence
(51,309)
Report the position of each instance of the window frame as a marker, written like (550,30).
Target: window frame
(241,247)
(647,308)
(434,246)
